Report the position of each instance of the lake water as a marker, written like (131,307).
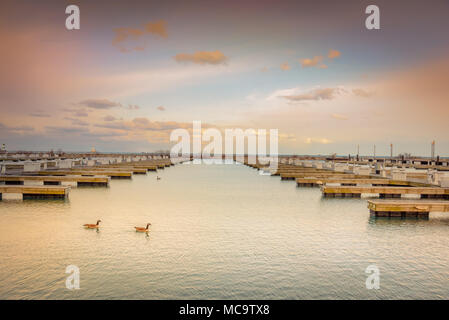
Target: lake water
(218,232)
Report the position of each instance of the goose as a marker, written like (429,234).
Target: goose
(92,226)
(141,229)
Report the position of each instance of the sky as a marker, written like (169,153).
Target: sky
(137,70)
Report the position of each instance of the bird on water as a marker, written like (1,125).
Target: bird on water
(92,226)
(142,229)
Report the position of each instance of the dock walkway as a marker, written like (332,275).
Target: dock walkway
(406,208)
(33,192)
(73,181)
(386,192)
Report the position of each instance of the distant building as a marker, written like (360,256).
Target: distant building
(93,150)
(3,149)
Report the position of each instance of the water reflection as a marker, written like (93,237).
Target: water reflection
(218,231)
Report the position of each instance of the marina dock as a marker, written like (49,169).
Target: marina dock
(337,178)
(33,192)
(74,181)
(385,192)
(294,176)
(413,182)
(315,182)
(406,208)
(89,173)
(42,176)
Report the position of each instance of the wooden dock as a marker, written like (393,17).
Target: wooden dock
(340,175)
(140,167)
(33,192)
(132,169)
(315,182)
(406,208)
(90,173)
(385,192)
(75,181)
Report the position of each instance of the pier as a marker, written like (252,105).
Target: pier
(134,170)
(74,181)
(296,175)
(414,183)
(404,208)
(33,192)
(386,192)
(44,176)
(89,173)
(315,182)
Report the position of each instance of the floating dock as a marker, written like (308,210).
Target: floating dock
(33,192)
(341,175)
(74,181)
(89,173)
(140,167)
(386,192)
(132,169)
(406,208)
(315,182)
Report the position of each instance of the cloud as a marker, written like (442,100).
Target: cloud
(109,118)
(115,126)
(100,103)
(144,124)
(76,112)
(339,116)
(285,66)
(63,130)
(362,93)
(103,134)
(125,34)
(77,122)
(157,28)
(202,57)
(16,129)
(40,114)
(333,54)
(264,69)
(317,140)
(316,94)
(316,61)
(161,108)
(81,113)
(287,137)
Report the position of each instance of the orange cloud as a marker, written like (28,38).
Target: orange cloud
(316,61)
(333,54)
(123,34)
(285,66)
(317,140)
(157,28)
(161,108)
(202,57)
(339,116)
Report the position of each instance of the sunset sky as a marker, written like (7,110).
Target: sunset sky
(136,70)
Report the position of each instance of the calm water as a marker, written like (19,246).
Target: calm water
(219,232)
